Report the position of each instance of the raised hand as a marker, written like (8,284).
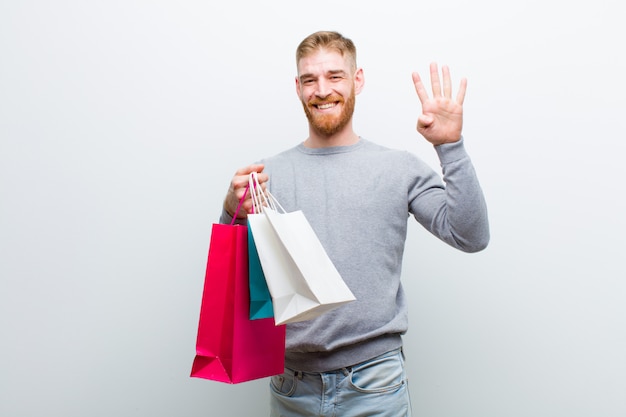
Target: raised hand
(441,120)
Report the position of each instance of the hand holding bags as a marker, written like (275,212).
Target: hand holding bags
(230,347)
(300,276)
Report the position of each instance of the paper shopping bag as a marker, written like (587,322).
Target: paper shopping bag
(301,278)
(260,298)
(230,347)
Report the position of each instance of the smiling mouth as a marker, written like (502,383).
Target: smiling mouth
(325,106)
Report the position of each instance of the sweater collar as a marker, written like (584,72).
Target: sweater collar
(331,149)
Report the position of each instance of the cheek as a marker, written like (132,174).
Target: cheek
(306,96)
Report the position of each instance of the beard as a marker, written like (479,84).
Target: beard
(329,124)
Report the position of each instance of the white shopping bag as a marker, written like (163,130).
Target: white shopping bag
(301,278)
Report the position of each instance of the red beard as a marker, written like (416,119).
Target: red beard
(329,124)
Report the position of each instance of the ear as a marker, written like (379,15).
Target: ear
(298,87)
(359,81)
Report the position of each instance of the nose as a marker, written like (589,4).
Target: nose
(323,88)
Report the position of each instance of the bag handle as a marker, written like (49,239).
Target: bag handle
(243,198)
(259,198)
(262,198)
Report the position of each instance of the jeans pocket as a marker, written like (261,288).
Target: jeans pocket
(384,373)
(284,384)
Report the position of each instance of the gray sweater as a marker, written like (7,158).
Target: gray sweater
(357,199)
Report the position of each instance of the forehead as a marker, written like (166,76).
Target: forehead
(321,61)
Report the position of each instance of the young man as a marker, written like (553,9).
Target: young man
(358,196)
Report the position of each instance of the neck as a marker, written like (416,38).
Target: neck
(345,137)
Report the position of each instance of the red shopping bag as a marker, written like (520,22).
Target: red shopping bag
(230,347)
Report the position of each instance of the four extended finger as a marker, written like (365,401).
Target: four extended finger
(419,88)
(434,80)
(460,97)
(447,83)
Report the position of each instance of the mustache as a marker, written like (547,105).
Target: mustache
(330,99)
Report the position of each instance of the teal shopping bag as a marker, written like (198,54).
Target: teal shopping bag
(260,299)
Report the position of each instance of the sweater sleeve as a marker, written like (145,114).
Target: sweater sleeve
(457,212)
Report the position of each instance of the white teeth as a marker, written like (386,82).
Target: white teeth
(326,106)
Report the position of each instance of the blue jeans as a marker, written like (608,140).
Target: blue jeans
(377,387)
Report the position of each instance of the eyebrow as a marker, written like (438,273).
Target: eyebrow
(329,72)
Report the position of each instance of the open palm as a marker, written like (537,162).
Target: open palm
(441,120)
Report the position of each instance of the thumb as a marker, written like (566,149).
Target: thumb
(259,167)
(424,121)
(255,168)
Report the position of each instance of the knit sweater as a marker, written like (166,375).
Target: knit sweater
(358,199)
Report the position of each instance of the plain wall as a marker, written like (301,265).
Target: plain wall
(121,123)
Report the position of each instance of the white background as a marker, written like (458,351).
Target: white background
(121,123)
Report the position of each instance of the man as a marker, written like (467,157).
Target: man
(358,196)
